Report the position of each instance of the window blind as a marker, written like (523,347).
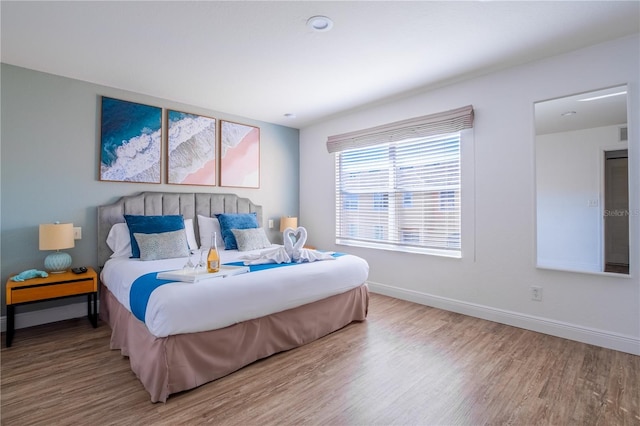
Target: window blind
(402,195)
(428,125)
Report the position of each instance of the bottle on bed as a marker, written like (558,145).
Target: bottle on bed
(213,258)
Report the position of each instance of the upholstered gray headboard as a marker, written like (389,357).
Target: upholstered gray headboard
(160,203)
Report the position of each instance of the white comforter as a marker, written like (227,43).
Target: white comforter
(178,308)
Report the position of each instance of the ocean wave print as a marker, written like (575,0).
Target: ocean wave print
(192,149)
(131,141)
(136,160)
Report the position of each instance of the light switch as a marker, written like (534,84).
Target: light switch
(77,233)
(270,223)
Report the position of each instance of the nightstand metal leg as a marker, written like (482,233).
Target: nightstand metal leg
(92,309)
(10,325)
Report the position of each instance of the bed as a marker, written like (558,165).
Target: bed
(172,352)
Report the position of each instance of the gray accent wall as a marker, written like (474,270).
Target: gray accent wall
(50,155)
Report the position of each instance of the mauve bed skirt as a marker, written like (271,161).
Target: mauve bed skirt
(176,363)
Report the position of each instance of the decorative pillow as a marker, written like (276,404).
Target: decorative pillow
(207,226)
(251,239)
(151,225)
(119,240)
(164,245)
(229,221)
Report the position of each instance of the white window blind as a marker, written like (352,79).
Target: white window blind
(401,196)
(398,186)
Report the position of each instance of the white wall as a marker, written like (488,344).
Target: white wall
(568,177)
(494,284)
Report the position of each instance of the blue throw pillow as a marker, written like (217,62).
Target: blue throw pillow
(229,221)
(151,225)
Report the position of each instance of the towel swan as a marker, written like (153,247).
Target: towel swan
(290,253)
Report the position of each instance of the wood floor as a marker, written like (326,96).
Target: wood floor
(407,364)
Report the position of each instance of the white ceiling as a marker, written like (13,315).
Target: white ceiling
(604,107)
(259,60)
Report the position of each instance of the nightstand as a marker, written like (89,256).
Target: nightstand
(54,286)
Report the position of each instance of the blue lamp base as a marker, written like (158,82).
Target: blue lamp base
(57,262)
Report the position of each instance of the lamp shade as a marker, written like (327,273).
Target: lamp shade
(288,222)
(56,236)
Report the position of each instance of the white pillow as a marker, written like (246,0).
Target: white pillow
(191,234)
(207,226)
(119,238)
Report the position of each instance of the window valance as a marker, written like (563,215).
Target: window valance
(428,125)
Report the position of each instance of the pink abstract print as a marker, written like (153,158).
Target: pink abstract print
(240,155)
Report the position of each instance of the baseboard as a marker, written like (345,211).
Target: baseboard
(569,331)
(45,316)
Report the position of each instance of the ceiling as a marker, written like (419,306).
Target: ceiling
(604,107)
(259,60)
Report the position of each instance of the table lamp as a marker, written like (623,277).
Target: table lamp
(288,222)
(57,236)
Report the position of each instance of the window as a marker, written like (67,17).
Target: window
(351,202)
(407,199)
(447,200)
(407,195)
(379,232)
(398,184)
(380,201)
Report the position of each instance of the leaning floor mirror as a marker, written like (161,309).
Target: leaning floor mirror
(582,182)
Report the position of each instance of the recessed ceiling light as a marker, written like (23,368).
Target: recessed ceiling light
(319,23)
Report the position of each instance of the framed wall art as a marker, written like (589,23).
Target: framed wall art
(191,149)
(130,143)
(239,155)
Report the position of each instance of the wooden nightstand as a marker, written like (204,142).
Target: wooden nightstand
(54,286)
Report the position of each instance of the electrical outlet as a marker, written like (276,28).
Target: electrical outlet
(77,233)
(536,293)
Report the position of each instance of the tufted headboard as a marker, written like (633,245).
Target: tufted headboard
(188,205)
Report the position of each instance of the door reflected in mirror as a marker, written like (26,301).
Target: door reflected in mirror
(582,182)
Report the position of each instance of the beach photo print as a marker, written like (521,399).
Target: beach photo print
(191,150)
(239,155)
(131,140)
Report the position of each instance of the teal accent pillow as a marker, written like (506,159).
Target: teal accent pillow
(229,221)
(151,225)
(165,245)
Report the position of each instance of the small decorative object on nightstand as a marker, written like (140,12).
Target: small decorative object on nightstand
(56,236)
(54,286)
